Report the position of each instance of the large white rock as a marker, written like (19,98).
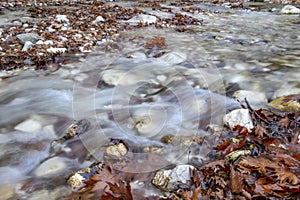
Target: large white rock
(238,117)
(29,126)
(142,18)
(285,91)
(170,180)
(289,9)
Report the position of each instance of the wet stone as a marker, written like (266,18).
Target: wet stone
(29,125)
(238,117)
(170,180)
(116,151)
(76,179)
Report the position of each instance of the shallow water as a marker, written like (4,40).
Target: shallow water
(127,95)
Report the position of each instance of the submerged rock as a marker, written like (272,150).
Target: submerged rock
(238,117)
(170,180)
(289,9)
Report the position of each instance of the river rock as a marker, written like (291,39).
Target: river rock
(116,151)
(238,117)
(27,45)
(289,9)
(251,96)
(7,192)
(29,125)
(99,19)
(142,18)
(76,179)
(56,50)
(31,37)
(174,58)
(55,165)
(62,18)
(170,180)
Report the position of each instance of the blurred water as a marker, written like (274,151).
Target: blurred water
(142,99)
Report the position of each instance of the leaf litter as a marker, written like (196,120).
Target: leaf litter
(262,163)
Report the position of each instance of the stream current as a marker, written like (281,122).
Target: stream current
(128,94)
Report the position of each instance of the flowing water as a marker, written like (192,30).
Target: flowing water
(128,94)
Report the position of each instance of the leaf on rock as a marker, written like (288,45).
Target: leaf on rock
(287,103)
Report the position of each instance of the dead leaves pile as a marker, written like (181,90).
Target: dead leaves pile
(261,164)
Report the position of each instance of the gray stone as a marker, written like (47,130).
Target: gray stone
(285,91)
(31,37)
(238,117)
(170,180)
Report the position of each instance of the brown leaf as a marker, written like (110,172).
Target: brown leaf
(286,176)
(236,181)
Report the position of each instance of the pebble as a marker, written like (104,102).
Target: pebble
(142,18)
(289,9)
(56,50)
(252,97)
(170,180)
(27,45)
(238,117)
(62,18)
(29,126)
(31,37)
(98,19)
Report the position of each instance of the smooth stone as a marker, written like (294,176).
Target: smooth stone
(31,37)
(238,117)
(29,126)
(142,18)
(99,19)
(251,96)
(55,165)
(170,180)
(174,58)
(289,9)
(27,61)
(56,50)
(27,45)
(62,18)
